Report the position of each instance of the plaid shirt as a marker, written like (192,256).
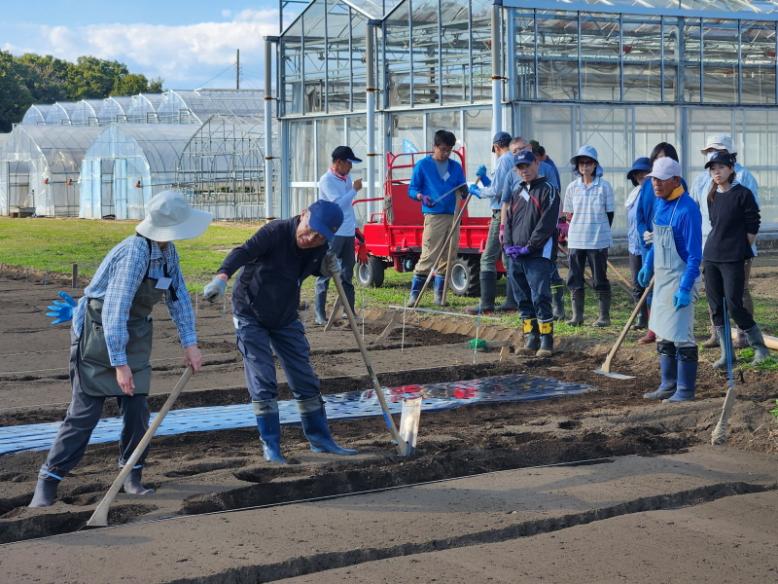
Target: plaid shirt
(117,280)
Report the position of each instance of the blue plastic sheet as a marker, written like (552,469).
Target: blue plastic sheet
(340,406)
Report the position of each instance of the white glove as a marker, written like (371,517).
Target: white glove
(330,266)
(214,289)
(648,237)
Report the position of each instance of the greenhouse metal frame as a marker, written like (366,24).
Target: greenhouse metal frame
(616,74)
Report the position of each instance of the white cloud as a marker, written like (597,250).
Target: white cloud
(179,54)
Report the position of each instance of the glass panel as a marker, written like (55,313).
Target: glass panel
(558,55)
(691,56)
(552,126)
(478,139)
(670,44)
(301,167)
(455,41)
(397,57)
(290,53)
(408,133)
(330,133)
(720,68)
(740,7)
(757,142)
(314,57)
(652,126)
(443,120)
(358,66)
(524,23)
(482,58)
(424,51)
(642,59)
(339,57)
(600,57)
(758,62)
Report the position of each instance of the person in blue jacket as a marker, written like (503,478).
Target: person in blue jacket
(644,213)
(435,183)
(674,260)
(275,261)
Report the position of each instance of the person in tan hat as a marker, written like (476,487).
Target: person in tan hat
(110,338)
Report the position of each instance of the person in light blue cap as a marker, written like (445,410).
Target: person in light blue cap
(637,176)
(275,261)
(589,204)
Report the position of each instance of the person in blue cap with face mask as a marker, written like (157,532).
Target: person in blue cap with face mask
(275,261)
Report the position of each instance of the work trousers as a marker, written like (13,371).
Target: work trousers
(432,241)
(81,418)
(343,248)
(635,265)
(257,343)
(492,249)
(598,262)
(725,281)
(531,283)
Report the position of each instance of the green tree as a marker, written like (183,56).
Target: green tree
(130,84)
(46,77)
(15,97)
(155,86)
(93,78)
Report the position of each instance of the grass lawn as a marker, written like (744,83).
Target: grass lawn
(52,245)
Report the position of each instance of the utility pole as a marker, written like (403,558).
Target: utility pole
(237,69)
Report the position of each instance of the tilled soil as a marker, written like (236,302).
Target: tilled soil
(202,472)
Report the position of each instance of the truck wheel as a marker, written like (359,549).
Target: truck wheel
(464,280)
(371,274)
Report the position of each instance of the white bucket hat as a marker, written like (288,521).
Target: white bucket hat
(169,217)
(719,142)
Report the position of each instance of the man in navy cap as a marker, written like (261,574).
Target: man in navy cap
(336,185)
(529,239)
(495,189)
(265,298)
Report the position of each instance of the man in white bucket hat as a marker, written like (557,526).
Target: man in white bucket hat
(111,335)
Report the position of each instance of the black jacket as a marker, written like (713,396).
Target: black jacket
(732,215)
(268,288)
(532,218)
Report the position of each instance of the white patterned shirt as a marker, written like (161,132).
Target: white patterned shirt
(590,205)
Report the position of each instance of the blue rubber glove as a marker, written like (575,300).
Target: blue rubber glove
(481,174)
(61,310)
(428,201)
(644,276)
(475,191)
(682,298)
(214,289)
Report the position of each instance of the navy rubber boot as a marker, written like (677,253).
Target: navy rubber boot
(531,335)
(315,427)
(320,309)
(269,426)
(440,282)
(416,284)
(45,492)
(133,484)
(687,375)
(668,367)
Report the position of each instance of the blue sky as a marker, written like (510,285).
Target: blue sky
(188,44)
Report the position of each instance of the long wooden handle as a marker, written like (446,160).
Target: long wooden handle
(615,270)
(443,249)
(100,516)
(606,366)
(401,447)
(452,247)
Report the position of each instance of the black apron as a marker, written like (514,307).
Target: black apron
(96,374)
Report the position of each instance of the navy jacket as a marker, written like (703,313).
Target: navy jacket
(532,218)
(268,288)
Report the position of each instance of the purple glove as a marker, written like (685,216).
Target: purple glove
(514,251)
(427,200)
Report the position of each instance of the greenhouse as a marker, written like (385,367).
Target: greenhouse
(128,164)
(36,115)
(40,166)
(195,107)
(222,168)
(143,108)
(617,74)
(113,110)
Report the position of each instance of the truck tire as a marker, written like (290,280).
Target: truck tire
(371,274)
(464,279)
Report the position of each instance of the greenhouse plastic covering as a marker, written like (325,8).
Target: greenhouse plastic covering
(436,397)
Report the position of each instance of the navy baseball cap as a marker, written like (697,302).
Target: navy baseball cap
(325,217)
(502,139)
(345,153)
(524,157)
(720,157)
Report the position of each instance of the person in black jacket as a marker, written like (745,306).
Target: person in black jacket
(530,237)
(735,219)
(265,298)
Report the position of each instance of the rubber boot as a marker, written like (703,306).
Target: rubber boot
(741,340)
(488,292)
(712,340)
(546,339)
(45,492)
(577,297)
(668,367)
(558,302)
(320,310)
(756,340)
(439,283)
(721,362)
(531,335)
(416,284)
(315,427)
(269,426)
(132,484)
(642,321)
(604,303)
(687,375)
(510,300)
